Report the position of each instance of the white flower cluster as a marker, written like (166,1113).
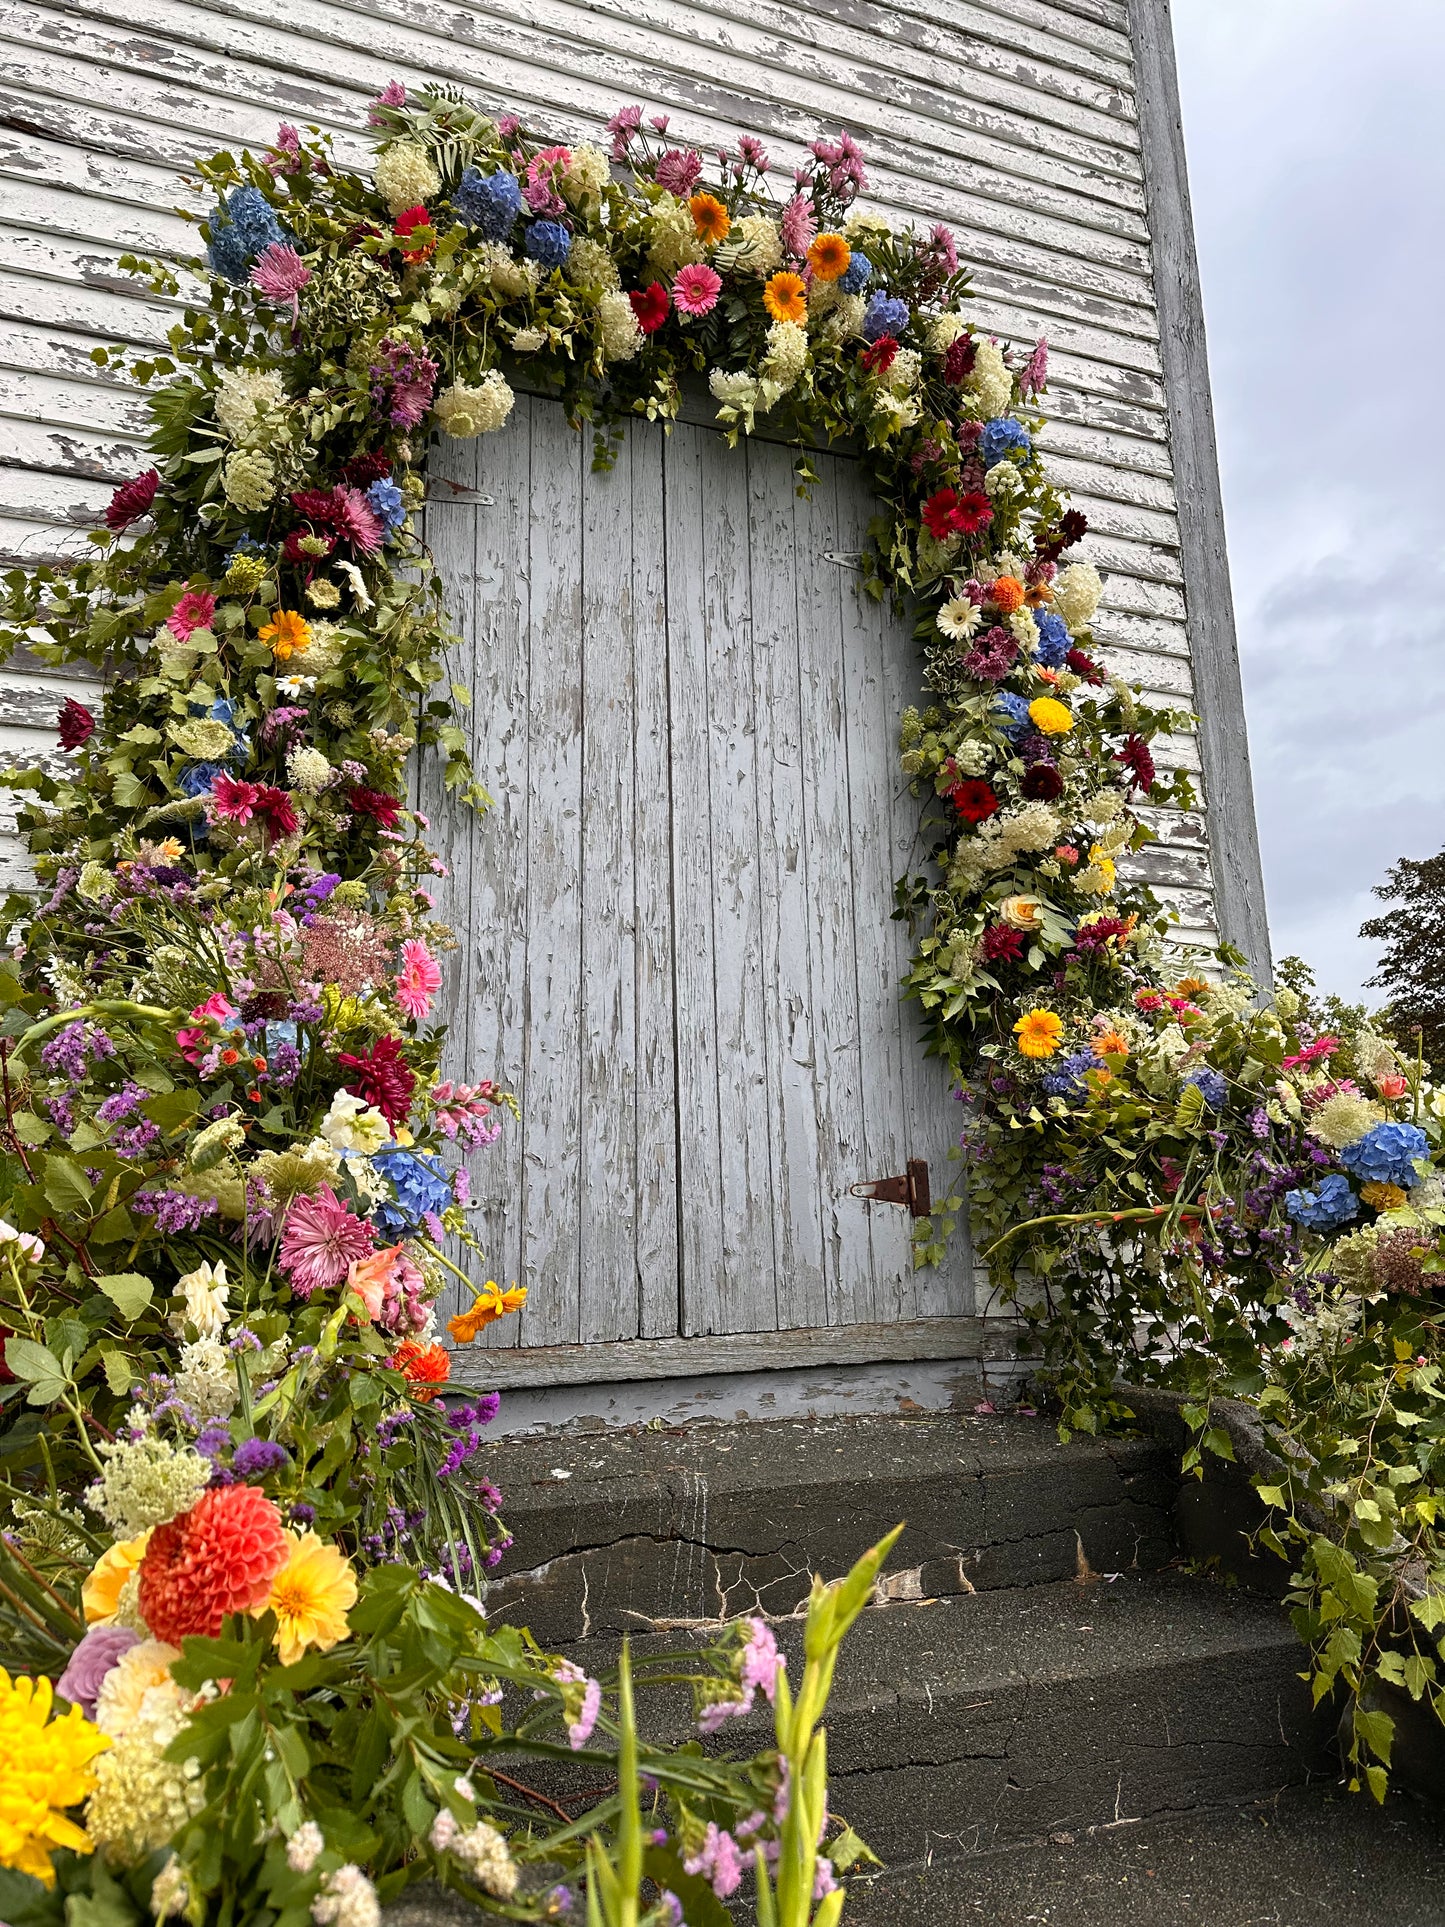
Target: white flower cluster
(347,1899)
(991,381)
(405,176)
(1077,590)
(485,1854)
(146,1482)
(618,327)
(464,411)
(244,398)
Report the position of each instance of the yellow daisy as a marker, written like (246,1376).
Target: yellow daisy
(100,1595)
(709,217)
(289,634)
(829,256)
(786,297)
(310,1596)
(1039,1033)
(490,1304)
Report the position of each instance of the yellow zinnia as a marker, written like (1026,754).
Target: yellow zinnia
(786,297)
(44,1768)
(490,1304)
(829,256)
(1039,1032)
(709,217)
(100,1594)
(289,634)
(310,1596)
(1051,716)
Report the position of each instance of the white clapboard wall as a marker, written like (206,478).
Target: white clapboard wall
(1018,122)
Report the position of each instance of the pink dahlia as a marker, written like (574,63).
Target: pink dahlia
(323,1238)
(355,521)
(678,170)
(418,980)
(195,610)
(695,289)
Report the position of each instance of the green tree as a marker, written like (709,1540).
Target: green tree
(1412,969)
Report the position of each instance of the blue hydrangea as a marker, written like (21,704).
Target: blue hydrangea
(1054,642)
(884,315)
(421,1184)
(1003,439)
(241,228)
(1067,1077)
(197,778)
(1386,1155)
(548,242)
(855,277)
(1210,1085)
(1331,1204)
(1016,709)
(387,502)
(489,202)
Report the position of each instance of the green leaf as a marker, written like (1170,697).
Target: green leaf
(66,1185)
(1375,1730)
(128,1291)
(120,1375)
(38,1367)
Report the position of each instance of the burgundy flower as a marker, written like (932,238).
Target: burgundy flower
(1001,945)
(974,799)
(992,656)
(1041,783)
(650,305)
(1140,764)
(878,356)
(75,724)
(383,1078)
(376,804)
(132,500)
(1084,666)
(362,470)
(958,362)
(275,809)
(1094,935)
(1073,527)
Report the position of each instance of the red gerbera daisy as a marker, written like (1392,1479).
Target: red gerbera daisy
(132,500)
(383,1078)
(877,357)
(218,1558)
(275,809)
(650,305)
(233,799)
(406,224)
(75,725)
(376,804)
(938,512)
(974,799)
(974,512)
(426,1367)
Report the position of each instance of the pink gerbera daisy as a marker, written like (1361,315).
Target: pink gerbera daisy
(323,1238)
(195,610)
(232,799)
(418,980)
(695,289)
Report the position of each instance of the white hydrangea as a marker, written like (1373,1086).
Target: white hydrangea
(203,1293)
(405,176)
(846,320)
(902,376)
(1341,1120)
(1077,590)
(823,297)
(351,1124)
(526,341)
(991,380)
(1034,827)
(944,331)
(145,1482)
(733,390)
(170,1891)
(585,175)
(244,397)
(1003,479)
(959,619)
(757,244)
(618,328)
(1102,807)
(1022,628)
(463,411)
(672,237)
(863,228)
(787,353)
(590,264)
(141,1800)
(307,769)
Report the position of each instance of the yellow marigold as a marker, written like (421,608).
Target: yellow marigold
(829,257)
(1384,1197)
(1039,1032)
(44,1768)
(709,217)
(1109,1043)
(1051,716)
(785,297)
(310,1596)
(100,1595)
(490,1304)
(289,634)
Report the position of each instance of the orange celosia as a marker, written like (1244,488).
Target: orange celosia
(1007,594)
(490,1304)
(829,257)
(710,218)
(425,1367)
(786,297)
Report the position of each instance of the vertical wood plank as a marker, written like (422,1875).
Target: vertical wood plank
(786,901)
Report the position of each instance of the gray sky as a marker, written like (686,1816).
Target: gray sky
(1317,167)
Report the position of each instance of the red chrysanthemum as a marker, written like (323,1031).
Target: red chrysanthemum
(362,470)
(1084,666)
(1041,783)
(1001,945)
(650,305)
(383,1078)
(376,804)
(315,505)
(1140,764)
(292,551)
(878,356)
(974,799)
(218,1558)
(132,500)
(275,809)
(1100,931)
(426,1367)
(958,362)
(74,725)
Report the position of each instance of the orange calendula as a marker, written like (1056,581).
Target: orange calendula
(710,218)
(288,633)
(490,1304)
(1109,1043)
(1039,1033)
(829,257)
(786,297)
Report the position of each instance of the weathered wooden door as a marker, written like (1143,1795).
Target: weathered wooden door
(675,921)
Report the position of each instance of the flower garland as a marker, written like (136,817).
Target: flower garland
(229,1173)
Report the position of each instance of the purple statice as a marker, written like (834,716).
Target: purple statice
(61,1108)
(282,722)
(173,1211)
(65,882)
(72,1051)
(254,1458)
(213,1441)
(243,1339)
(137,1139)
(302,1515)
(120,1104)
(284,1065)
(1259,1122)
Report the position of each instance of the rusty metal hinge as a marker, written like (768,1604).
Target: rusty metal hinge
(910,1190)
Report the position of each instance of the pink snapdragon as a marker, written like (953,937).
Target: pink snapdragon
(418,980)
(465,1111)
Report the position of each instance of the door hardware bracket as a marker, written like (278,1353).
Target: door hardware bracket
(910,1190)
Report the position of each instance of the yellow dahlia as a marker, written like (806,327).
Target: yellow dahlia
(100,1595)
(1384,1197)
(44,1768)
(1051,716)
(1039,1032)
(310,1596)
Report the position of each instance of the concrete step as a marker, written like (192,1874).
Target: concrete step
(1310,1857)
(622,1531)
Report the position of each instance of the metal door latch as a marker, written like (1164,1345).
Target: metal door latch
(911,1189)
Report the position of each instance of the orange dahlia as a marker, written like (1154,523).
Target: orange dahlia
(1007,594)
(829,257)
(710,218)
(426,1367)
(218,1558)
(786,297)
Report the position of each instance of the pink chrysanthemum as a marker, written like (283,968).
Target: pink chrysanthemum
(393,94)
(539,189)
(695,289)
(279,275)
(799,228)
(195,610)
(678,170)
(418,980)
(323,1238)
(356,522)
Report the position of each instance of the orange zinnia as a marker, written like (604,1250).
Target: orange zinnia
(1007,594)
(289,634)
(829,257)
(426,1367)
(710,218)
(786,298)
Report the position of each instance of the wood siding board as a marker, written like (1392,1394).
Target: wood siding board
(1243,920)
